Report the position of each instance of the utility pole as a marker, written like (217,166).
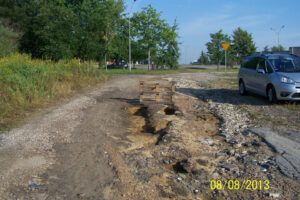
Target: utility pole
(277,33)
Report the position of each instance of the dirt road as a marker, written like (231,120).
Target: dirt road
(102,144)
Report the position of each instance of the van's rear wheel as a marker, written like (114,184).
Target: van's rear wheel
(242,88)
(272,95)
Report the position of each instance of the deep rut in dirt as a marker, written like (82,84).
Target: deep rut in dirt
(162,147)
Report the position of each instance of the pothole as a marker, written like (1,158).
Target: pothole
(169,111)
(140,119)
(178,168)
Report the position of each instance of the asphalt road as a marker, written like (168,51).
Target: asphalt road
(288,148)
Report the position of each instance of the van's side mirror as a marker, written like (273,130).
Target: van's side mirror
(260,71)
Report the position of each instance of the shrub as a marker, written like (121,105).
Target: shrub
(26,83)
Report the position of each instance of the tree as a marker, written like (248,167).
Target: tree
(8,41)
(112,19)
(243,44)
(172,44)
(266,49)
(89,30)
(13,12)
(167,51)
(277,49)
(48,31)
(65,28)
(214,48)
(203,59)
(118,47)
(149,28)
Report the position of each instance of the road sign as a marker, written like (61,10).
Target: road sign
(225,46)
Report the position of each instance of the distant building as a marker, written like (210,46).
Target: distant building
(195,62)
(295,51)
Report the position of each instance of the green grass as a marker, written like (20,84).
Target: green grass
(26,83)
(208,70)
(231,74)
(261,117)
(292,106)
(136,71)
(158,71)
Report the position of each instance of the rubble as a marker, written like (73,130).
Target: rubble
(34,186)
(207,140)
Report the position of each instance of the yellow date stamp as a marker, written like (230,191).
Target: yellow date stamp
(240,185)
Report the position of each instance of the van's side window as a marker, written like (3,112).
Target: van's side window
(244,63)
(252,63)
(269,68)
(261,64)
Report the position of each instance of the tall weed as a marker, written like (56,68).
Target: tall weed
(26,83)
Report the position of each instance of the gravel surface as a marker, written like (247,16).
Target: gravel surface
(102,144)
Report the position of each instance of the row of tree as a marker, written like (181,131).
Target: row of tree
(279,48)
(242,46)
(87,30)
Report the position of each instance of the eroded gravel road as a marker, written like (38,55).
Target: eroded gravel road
(62,154)
(103,145)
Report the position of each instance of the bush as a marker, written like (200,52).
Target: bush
(25,83)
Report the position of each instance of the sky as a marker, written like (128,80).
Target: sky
(198,18)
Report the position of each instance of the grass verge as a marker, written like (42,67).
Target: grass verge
(187,70)
(26,83)
(136,71)
(159,71)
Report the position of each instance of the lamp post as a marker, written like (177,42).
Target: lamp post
(277,33)
(130,64)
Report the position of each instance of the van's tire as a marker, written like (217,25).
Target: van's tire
(271,94)
(242,88)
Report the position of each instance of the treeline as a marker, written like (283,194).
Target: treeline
(242,45)
(87,30)
(279,48)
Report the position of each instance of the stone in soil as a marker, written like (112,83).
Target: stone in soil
(34,186)
(230,167)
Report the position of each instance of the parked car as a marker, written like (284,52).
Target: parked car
(276,76)
(118,65)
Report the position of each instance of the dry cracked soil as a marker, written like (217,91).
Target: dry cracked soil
(104,144)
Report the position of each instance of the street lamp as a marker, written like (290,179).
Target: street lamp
(277,33)
(130,65)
